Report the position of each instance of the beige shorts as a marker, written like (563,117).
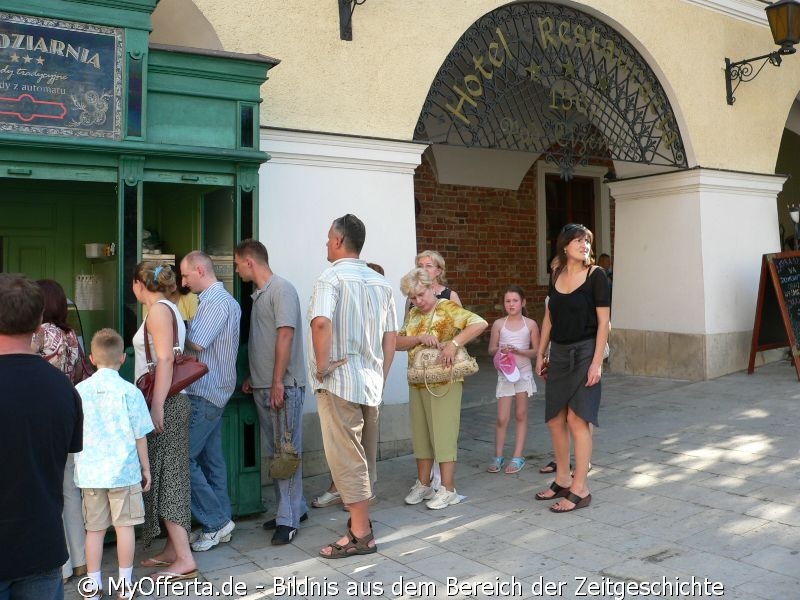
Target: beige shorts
(119,507)
(343,427)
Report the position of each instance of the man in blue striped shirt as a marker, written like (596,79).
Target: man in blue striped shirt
(213,335)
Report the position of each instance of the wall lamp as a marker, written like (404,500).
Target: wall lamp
(784,21)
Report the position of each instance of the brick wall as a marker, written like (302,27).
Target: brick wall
(487,238)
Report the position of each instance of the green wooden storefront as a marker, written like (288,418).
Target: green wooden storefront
(138,150)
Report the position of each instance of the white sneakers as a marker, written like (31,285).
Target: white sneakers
(419,493)
(435,500)
(209,539)
(443,499)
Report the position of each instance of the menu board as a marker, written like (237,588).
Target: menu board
(777,321)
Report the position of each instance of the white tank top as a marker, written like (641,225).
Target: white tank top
(519,338)
(140,363)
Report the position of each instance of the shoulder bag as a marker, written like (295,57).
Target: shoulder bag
(185,369)
(286,458)
(84,366)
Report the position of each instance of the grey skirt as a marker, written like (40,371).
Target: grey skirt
(566,381)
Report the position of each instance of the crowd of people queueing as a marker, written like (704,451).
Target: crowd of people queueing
(112,460)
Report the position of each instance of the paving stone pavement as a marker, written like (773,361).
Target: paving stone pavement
(689,480)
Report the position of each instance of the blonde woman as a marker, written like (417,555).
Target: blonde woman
(435,419)
(434,265)
(169,498)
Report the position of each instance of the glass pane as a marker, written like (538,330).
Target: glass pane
(246,123)
(128,253)
(134,97)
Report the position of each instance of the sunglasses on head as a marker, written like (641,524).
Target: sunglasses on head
(572,227)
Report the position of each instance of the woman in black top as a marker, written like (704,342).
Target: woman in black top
(576,321)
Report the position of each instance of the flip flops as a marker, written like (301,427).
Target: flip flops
(516,465)
(576,500)
(172,576)
(154,562)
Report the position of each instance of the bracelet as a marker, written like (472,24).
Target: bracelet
(455,343)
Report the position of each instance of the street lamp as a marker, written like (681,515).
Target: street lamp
(784,22)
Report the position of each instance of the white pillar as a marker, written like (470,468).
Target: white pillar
(687,260)
(312,179)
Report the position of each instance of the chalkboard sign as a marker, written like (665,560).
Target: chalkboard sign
(777,322)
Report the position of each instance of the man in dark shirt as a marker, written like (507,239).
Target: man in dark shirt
(41,421)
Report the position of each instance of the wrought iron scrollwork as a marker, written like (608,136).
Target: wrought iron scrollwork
(742,71)
(545,78)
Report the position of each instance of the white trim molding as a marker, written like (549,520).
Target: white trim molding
(341,152)
(751,11)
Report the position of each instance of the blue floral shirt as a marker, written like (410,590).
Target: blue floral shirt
(114,417)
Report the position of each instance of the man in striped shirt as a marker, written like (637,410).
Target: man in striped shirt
(353,329)
(213,335)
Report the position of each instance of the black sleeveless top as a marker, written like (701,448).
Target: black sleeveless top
(574,315)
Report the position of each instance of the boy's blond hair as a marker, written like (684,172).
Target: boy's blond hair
(107,348)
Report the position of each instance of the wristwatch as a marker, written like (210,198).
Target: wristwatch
(455,343)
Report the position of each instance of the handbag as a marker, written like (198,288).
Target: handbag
(286,458)
(86,368)
(185,370)
(426,368)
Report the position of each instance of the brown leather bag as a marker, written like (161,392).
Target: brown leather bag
(185,370)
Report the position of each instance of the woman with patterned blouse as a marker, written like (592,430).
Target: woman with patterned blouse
(57,343)
(435,413)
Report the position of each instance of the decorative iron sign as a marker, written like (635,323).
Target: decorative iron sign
(59,77)
(549,79)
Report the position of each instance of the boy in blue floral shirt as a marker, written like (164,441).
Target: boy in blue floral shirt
(113,470)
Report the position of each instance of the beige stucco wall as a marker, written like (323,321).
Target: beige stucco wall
(376,84)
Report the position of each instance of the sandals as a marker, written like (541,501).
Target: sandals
(354,546)
(560,492)
(576,500)
(516,465)
(154,562)
(326,499)
(551,467)
(496,465)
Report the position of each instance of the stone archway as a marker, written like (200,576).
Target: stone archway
(549,79)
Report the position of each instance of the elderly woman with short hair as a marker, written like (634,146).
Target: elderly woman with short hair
(435,413)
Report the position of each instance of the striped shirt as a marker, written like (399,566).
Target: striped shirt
(215,328)
(360,305)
